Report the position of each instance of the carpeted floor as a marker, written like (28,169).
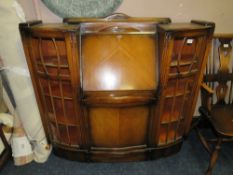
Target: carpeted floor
(191,160)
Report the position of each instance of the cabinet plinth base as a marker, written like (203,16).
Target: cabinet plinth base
(83,155)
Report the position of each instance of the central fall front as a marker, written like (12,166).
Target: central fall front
(119,88)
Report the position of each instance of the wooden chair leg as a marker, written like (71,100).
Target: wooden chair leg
(214,157)
(203,140)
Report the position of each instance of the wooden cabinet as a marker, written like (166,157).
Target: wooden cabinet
(119,88)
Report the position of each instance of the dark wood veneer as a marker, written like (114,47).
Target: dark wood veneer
(118,88)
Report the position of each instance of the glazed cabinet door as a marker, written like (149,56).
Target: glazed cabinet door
(54,65)
(183,55)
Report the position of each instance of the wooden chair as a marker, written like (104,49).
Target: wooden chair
(217,97)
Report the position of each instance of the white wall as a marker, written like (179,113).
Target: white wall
(35,9)
(219,11)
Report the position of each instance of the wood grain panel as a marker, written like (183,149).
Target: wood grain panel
(119,62)
(118,127)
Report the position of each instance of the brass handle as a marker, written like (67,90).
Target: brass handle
(119,29)
(117,16)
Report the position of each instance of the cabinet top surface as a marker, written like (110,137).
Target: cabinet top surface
(116,19)
(96,27)
(125,19)
(182,27)
(72,27)
(55,27)
(224,36)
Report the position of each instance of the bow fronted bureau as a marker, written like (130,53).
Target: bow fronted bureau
(116,88)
